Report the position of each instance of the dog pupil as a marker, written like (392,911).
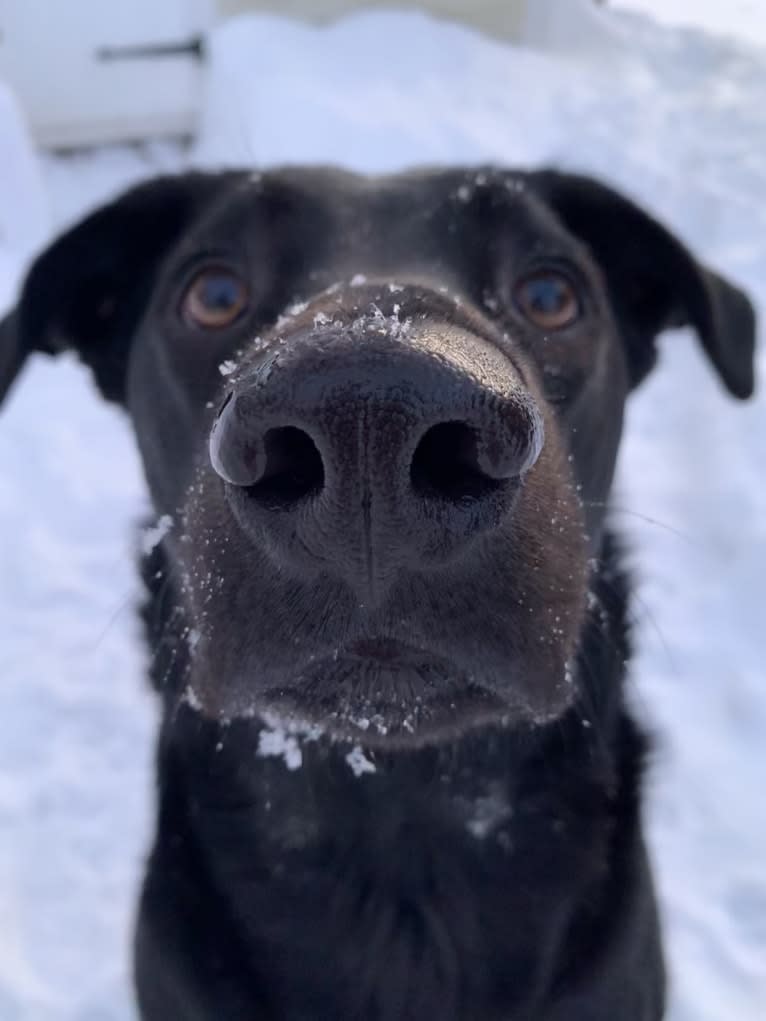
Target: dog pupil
(548,296)
(220,293)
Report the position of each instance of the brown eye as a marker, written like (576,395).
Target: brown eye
(215,298)
(548,299)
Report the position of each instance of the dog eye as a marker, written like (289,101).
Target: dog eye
(548,299)
(215,298)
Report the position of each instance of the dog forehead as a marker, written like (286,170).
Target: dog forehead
(352,211)
(419,185)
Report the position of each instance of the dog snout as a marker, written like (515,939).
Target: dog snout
(370,454)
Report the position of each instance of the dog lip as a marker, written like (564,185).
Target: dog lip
(384,650)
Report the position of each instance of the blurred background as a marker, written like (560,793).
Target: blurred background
(665,99)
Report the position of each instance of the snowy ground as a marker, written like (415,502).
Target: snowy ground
(686,134)
(740,19)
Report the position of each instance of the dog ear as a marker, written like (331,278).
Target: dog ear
(87,291)
(654,281)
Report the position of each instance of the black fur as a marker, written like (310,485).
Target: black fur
(486,861)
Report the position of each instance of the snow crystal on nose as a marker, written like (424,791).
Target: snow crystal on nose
(386,325)
(297,308)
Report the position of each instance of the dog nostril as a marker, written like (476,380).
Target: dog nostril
(293,469)
(446,465)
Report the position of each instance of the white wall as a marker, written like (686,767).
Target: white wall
(82,70)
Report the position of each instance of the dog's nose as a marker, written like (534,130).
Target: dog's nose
(373,455)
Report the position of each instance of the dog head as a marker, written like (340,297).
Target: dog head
(383,416)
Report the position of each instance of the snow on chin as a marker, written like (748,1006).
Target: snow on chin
(280,743)
(283,739)
(359,762)
(488,814)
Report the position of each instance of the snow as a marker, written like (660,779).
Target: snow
(280,743)
(741,19)
(226,368)
(675,117)
(489,812)
(359,763)
(153,536)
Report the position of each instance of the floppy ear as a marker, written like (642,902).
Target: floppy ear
(654,281)
(88,289)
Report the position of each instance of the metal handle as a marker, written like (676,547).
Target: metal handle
(194,48)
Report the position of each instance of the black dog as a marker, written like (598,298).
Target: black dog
(379,417)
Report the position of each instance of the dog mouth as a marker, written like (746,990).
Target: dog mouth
(384,691)
(387,652)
